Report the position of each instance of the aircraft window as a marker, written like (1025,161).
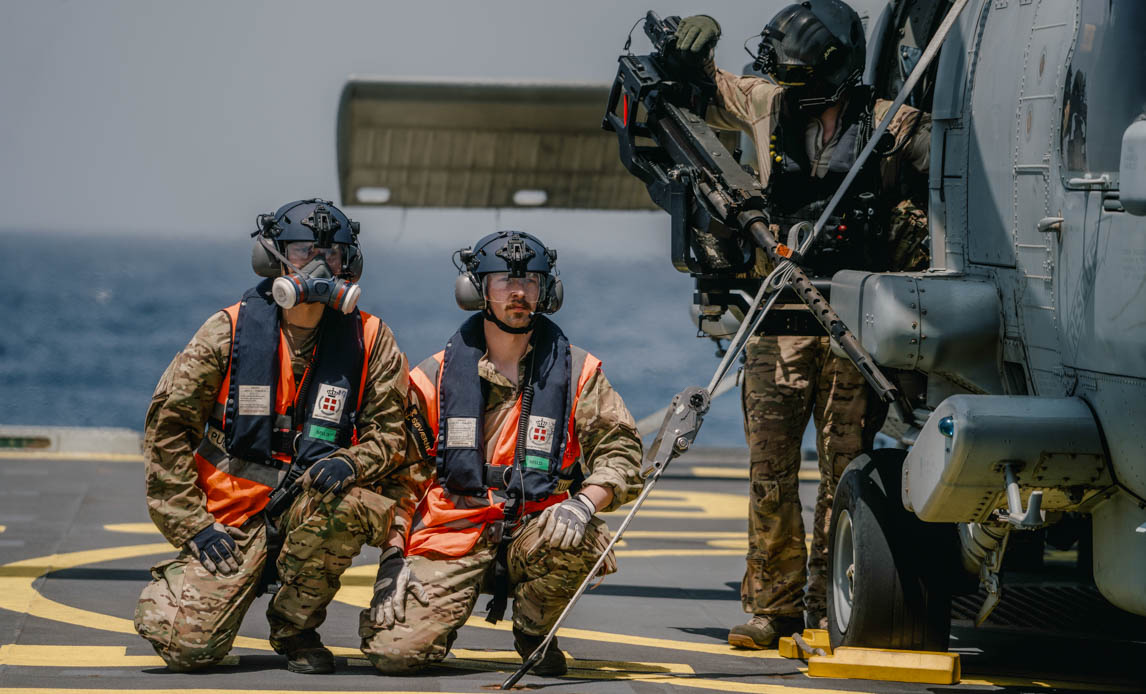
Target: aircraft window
(1104,90)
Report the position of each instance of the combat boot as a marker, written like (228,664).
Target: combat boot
(552,664)
(763,630)
(305,653)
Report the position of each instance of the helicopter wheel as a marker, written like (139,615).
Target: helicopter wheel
(888,585)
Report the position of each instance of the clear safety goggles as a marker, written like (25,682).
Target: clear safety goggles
(299,253)
(500,287)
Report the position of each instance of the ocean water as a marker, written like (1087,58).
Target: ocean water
(88,322)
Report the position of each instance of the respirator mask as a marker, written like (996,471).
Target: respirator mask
(317,280)
(315,245)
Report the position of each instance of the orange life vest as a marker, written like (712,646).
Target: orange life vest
(237,489)
(450,524)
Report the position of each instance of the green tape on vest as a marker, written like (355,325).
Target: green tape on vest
(536,462)
(317,432)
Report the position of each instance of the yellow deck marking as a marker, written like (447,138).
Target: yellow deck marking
(644,641)
(712,471)
(22,655)
(742,473)
(683,535)
(94,457)
(663,503)
(139,528)
(18,595)
(648,553)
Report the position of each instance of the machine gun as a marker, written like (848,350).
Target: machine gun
(692,176)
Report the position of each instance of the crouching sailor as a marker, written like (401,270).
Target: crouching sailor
(530,441)
(275,427)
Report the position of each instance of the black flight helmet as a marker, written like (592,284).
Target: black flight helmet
(515,252)
(315,220)
(816,49)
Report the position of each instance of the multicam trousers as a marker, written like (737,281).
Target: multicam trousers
(192,616)
(543,580)
(321,541)
(786,379)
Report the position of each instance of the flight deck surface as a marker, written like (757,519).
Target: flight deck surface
(76,545)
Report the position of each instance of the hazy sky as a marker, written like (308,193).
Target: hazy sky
(152,116)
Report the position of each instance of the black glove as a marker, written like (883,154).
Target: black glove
(394,581)
(697,34)
(563,525)
(216,550)
(328,477)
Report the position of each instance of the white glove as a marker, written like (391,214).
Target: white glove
(563,524)
(394,581)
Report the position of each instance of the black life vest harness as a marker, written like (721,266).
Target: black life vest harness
(327,396)
(855,236)
(537,466)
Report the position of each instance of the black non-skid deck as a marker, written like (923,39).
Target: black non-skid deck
(76,545)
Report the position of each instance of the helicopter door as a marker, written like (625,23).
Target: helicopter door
(903,34)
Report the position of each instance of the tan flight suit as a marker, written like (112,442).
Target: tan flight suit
(543,578)
(788,378)
(190,615)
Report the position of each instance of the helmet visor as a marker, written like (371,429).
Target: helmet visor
(501,288)
(789,75)
(299,253)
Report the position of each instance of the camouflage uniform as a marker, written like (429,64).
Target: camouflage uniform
(543,578)
(190,615)
(789,378)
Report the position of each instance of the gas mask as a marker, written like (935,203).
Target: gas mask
(310,249)
(315,283)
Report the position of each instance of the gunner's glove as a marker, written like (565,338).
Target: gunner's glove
(697,34)
(563,525)
(216,550)
(394,581)
(328,477)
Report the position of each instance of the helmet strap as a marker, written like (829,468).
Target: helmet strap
(506,328)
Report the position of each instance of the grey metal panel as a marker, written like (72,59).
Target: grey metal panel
(1037,124)
(475,144)
(936,324)
(958,478)
(1119,403)
(951,74)
(1108,319)
(1120,553)
(1132,169)
(991,203)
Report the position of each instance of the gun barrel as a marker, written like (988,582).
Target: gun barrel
(823,311)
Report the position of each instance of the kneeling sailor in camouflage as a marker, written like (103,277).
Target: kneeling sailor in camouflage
(530,441)
(292,392)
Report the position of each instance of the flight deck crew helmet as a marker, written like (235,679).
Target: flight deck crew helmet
(816,49)
(324,239)
(514,252)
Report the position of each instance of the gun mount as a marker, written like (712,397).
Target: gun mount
(692,176)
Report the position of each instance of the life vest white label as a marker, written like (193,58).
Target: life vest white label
(461,432)
(255,400)
(540,436)
(329,403)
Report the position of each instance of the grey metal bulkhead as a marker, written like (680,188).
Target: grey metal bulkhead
(947,325)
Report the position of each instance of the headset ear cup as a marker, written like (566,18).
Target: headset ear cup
(556,296)
(467,292)
(262,262)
